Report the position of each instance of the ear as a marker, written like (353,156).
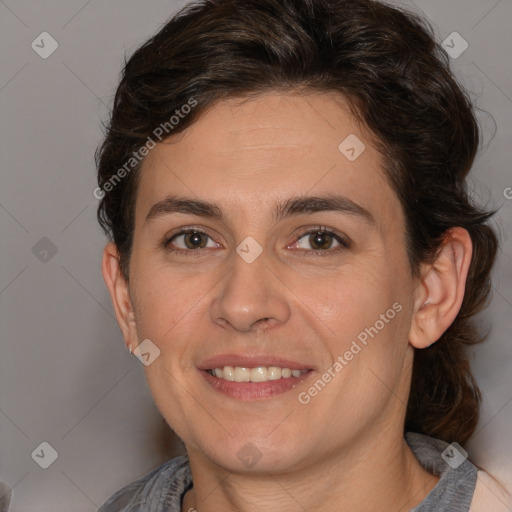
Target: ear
(119,293)
(441,289)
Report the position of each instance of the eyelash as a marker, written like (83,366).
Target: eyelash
(343,241)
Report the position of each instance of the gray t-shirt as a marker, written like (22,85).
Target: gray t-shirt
(162,489)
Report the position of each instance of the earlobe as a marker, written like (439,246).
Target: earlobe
(119,293)
(441,290)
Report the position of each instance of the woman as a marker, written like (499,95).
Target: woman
(295,259)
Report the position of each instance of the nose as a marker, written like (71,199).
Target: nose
(250,297)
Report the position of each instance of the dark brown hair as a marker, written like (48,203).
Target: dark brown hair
(397,79)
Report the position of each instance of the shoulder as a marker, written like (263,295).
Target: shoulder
(162,487)
(457,475)
(462,485)
(490,495)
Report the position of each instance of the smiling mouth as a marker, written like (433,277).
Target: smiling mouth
(258,374)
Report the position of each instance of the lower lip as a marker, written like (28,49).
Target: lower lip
(254,390)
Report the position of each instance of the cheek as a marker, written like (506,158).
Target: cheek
(354,298)
(164,304)
(367,315)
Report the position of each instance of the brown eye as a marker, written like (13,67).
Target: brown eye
(195,240)
(189,239)
(321,241)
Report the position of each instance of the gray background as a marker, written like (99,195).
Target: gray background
(65,376)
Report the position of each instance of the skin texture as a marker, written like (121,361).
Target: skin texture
(345,448)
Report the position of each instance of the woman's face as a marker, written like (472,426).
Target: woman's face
(254,293)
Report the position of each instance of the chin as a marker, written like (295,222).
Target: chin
(253,457)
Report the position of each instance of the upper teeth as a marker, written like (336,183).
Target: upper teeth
(259,374)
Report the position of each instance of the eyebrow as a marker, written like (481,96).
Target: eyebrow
(293,206)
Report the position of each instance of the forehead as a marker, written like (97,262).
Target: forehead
(246,155)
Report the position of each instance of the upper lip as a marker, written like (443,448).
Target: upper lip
(253,361)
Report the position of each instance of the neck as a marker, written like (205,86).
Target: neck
(376,473)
